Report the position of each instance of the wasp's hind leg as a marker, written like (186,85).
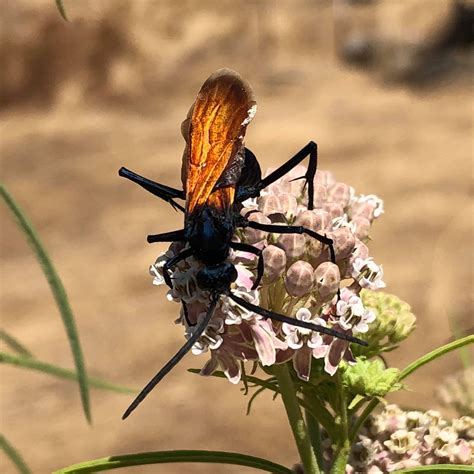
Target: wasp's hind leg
(160,190)
(311,150)
(256,251)
(198,330)
(267,314)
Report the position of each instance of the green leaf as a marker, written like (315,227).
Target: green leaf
(14,344)
(14,456)
(50,369)
(59,294)
(370,378)
(62,10)
(160,457)
(443,468)
(440,351)
(253,397)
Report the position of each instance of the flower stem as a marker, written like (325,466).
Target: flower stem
(344,445)
(295,418)
(314,432)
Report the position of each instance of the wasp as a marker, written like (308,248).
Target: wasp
(219,173)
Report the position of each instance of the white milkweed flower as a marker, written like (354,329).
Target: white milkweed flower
(368,274)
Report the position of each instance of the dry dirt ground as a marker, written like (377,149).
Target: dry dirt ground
(412,147)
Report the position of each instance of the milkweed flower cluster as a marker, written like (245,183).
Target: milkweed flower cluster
(299,280)
(457,391)
(397,439)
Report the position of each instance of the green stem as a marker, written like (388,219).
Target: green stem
(14,344)
(362,417)
(295,418)
(14,456)
(320,413)
(440,351)
(314,432)
(344,445)
(160,457)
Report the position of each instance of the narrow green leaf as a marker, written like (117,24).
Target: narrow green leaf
(50,369)
(440,351)
(250,378)
(14,456)
(443,468)
(14,344)
(59,294)
(252,398)
(160,457)
(62,10)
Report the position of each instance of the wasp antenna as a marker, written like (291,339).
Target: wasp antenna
(294,322)
(199,329)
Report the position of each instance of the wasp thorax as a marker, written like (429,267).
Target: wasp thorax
(217,278)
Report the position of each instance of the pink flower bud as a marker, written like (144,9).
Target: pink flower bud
(246,211)
(292,244)
(270,204)
(360,250)
(253,236)
(317,220)
(324,177)
(320,195)
(334,209)
(299,278)
(275,263)
(363,209)
(362,227)
(327,279)
(296,187)
(341,194)
(343,241)
(288,204)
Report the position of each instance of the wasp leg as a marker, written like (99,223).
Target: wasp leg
(160,190)
(293,229)
(256,251)
(199,329)
(173,236)
(294,322)
(172,262)
(311,150)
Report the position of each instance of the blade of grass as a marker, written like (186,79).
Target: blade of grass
(14,456)
(60,372)
(14,344)
(159,457)
(59,294)
(62,10)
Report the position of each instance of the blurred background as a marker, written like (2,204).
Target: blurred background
(384,87)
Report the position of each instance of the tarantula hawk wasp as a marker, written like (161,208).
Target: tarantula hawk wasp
(218,174)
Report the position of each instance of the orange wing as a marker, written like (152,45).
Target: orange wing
(214,132)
